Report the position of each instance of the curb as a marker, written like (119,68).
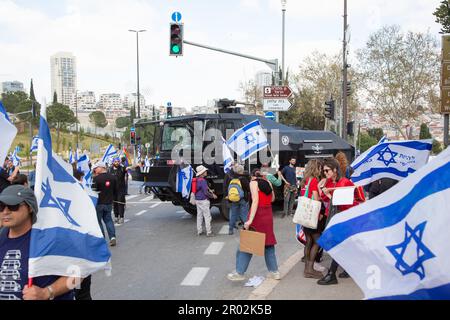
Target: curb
(268,285)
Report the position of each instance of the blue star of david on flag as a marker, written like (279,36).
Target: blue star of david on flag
(59,203)
(249,138)
(391,159)
(423,253)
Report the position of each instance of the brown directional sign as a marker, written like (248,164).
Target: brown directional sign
(274,92)
(445,75)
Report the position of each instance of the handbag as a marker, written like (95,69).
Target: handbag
(192,199)
(308,211)
(252,242)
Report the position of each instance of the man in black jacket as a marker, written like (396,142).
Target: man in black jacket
(120,173)
(106,184)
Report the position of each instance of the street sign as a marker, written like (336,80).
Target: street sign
(277,92)
(147,145)
(176,17)
(169,104)
(276,105)
(445,75)
(445,100)
(270,115)
(132,129)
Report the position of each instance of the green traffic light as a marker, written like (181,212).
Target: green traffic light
(175,49)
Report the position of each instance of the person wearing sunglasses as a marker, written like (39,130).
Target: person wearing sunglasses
(18,212)
(333,180)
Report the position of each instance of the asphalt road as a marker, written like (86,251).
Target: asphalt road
(159,255)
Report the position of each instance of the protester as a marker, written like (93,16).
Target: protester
(106,184)
(260,219)
(327,186)
(32,177)
(125,165)
(344,167)
(202,196)
(289,176)
(21,179)
(379,186)
(4,182)
(84,292)
(310,182)
(120,173)
(18,212)
(12,170)
(276,182)
(238,190)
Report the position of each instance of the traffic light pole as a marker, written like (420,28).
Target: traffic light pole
(273,64)
(344,80)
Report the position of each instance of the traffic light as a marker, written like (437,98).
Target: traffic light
(176,39)
(350,126)
(169,112)
(133,138)
(329,109)
(349,88)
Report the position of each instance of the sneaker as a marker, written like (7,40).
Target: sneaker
(235,276)
(113,242)
(230,232)
(210,234)
(274,275)
(199,233)
(121,221)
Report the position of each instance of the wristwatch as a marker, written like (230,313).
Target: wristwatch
(51,292)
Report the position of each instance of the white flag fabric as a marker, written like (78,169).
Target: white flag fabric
(227,157)
(8,131)
(392,159)
(34,144)
(248,140)
(396,246)
(66,239)
(15,157)
(110,153)
(184,181)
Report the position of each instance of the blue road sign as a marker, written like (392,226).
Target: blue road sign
(270,115)
(132,129)
(176,17)
(169,104)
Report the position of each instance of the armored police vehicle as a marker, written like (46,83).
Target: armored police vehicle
(190,133)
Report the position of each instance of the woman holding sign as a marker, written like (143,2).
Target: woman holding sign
(327,186)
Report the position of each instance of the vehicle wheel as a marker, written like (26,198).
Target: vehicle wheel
(225,209)
(191,210)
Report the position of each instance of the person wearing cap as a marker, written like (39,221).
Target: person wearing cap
(202,196)
(106,184)
(119,172)
(18,212)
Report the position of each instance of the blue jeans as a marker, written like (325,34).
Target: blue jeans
(238,210)
(243,260)
(104,213)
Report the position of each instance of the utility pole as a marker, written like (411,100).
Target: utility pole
(137,58)
(344,77)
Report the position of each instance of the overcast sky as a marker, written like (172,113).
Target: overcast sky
(96,32)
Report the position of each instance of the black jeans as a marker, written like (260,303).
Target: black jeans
(119,208)
(84,293)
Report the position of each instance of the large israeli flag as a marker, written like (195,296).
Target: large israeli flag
(109,154)
(8,131)
(15,157)
(392,159)
(66,239)
(184,181)
(227,156)
(397,246)
(248,140)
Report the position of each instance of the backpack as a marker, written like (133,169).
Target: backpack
(235,191)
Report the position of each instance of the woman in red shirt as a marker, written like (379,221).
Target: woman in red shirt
(311,181)
(327,186)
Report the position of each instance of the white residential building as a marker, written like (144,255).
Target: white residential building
(110,101)
(130,100)
(64,77)
(86,101)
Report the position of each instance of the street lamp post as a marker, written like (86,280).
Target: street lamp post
(137,55)
(283,10)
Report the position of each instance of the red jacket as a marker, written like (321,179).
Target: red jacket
(343,182)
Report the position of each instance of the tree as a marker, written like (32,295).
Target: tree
(123,122)
(437,147)
(55,98)
(442,15)
(32,97)
(253,94)
(376,133)
(98,118)
(133,113)
(400,74)
(424,132)
(13,100)
(366,141)
(60,116)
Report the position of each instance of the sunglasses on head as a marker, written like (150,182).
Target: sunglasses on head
(11,207)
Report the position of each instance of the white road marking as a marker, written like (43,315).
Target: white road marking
(187,216)
(131,197)
(195,277)
(147,198)
(181,211)
(155,205)
(214,248)
(141,212)
(224,229)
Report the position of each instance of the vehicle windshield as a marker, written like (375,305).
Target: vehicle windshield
(177,134)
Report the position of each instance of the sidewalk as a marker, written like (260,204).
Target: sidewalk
(293,286)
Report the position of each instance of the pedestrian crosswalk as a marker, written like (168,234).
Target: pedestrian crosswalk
(195,277)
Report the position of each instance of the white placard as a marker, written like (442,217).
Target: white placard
(343,196)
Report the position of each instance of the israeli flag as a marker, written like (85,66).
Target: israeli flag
(248,140)
(15,157)
(184,181)
(383,139)
(227,156)
(396,246)
(147,162)
(139,153)
(8,131)
(66,239)
(109,154)
(34,144)
(392,159)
